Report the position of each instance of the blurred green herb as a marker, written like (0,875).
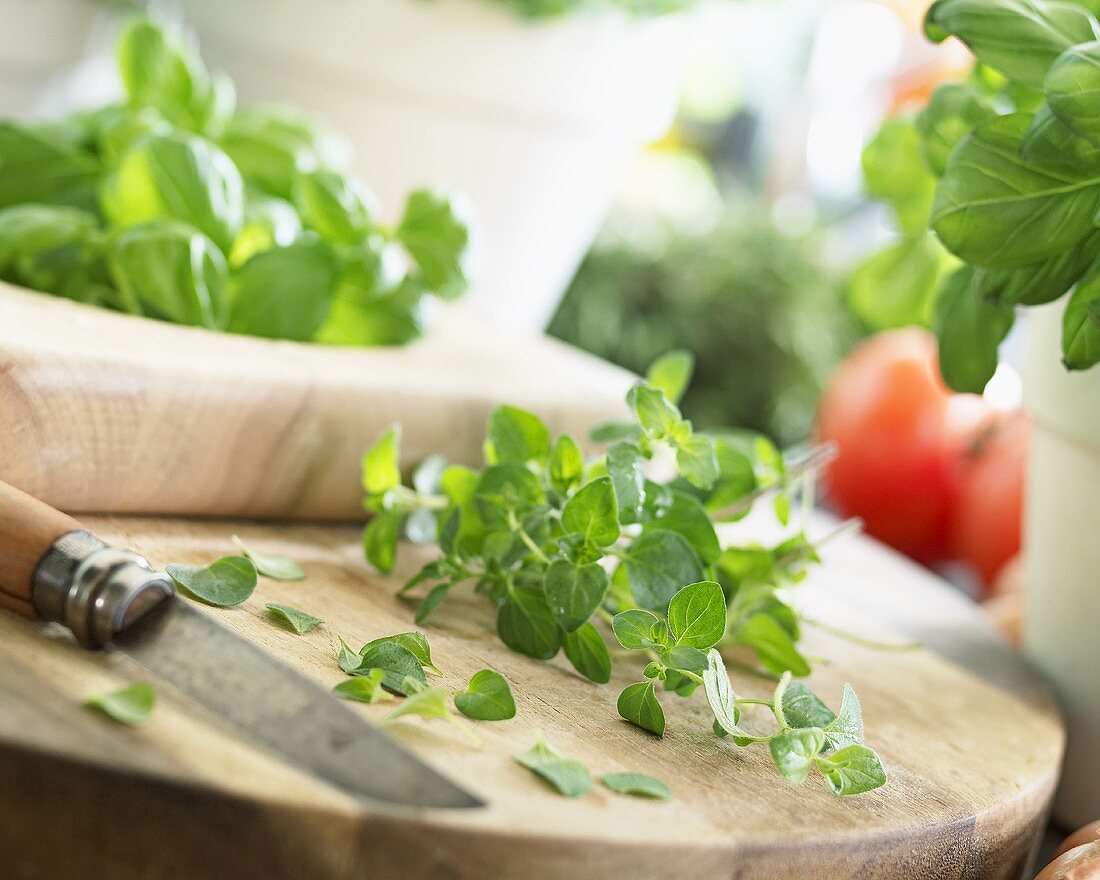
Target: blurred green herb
(224,583)
(179,205)
(296,620)
(570,778)
(637,784)
(279,568)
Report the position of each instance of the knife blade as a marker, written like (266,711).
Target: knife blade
(53,569)
(279,709)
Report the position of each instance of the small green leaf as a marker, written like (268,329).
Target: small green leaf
(486,698)
(697,461)
(428,702)
(720,695)
(970,331)
(638,704)
(570,778)
(516,435)
(593,512)
(846,729)
(279,568)
(506,487)
(624,465)
(773,645)
(227,582)
(853,770)
(685,658)
(347,659)
(296,620)
(657,564)
(435,229)
(526,624)
(432,601)
(381,466)
(657,415)
(638,629)
(363,688)
(687,516)
(586,650)
(574,592)
(566,464)
(697,615)
(397,663)
(637,784)
(416,643)
(1080,332)
(671,373)
(794,751)
(803,708)
(380,540)
(132,705)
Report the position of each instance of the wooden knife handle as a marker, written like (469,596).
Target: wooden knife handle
(28,528)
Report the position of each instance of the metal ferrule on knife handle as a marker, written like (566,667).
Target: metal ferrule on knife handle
(52,568)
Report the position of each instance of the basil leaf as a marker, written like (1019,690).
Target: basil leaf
(952,111)
(1040,283)
(671,373)
(158,69)
(585,649)
(566,464)
(168,270)
(657,564)
(516,435)
(132,705)
(380,540)
(381,463)
(852,770)
(803,708)
(697,460)
(894,172)
(896,287)
(1080,333)
(296,620)
(279,568)
(177,176)
(363,688)
(335,206)
(416,643)
(285,292)
(398,665)
(527,626)
(271,144)
(638,704)
(1071,86)
(846,728)
(637,784)
(794,751)
(26,230)
(624,465)
(486,698)
(995,208)
(1019,38)
(40,168)
(687,516)
(225,583)
(593,512)
(773,645)
(570,778)
(970,332)
(435,229)
(637,629)
(697,615)
(574,592)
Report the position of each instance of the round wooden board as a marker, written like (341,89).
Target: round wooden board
(972,753)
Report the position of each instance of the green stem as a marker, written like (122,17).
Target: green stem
(862,641)
(536,551)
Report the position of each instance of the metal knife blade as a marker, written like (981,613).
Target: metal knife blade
(280,709)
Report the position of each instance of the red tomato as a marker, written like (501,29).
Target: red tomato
(990,507)
(901,435)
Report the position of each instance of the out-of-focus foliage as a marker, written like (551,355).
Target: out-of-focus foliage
(761,311)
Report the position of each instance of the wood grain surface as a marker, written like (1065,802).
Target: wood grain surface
(972,745)
(111,413)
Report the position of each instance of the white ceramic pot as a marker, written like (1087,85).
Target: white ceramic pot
(41,43)
(1062,546)
(533,120)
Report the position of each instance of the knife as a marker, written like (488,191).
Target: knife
(53,569)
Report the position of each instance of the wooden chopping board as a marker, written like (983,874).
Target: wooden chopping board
(972,745)
(111,413)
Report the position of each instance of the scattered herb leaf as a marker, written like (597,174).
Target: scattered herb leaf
(225,583)
(132,705)
(290,617)
(486,698)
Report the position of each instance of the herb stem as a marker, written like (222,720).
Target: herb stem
(813,460)
(536,551)
(862,641)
